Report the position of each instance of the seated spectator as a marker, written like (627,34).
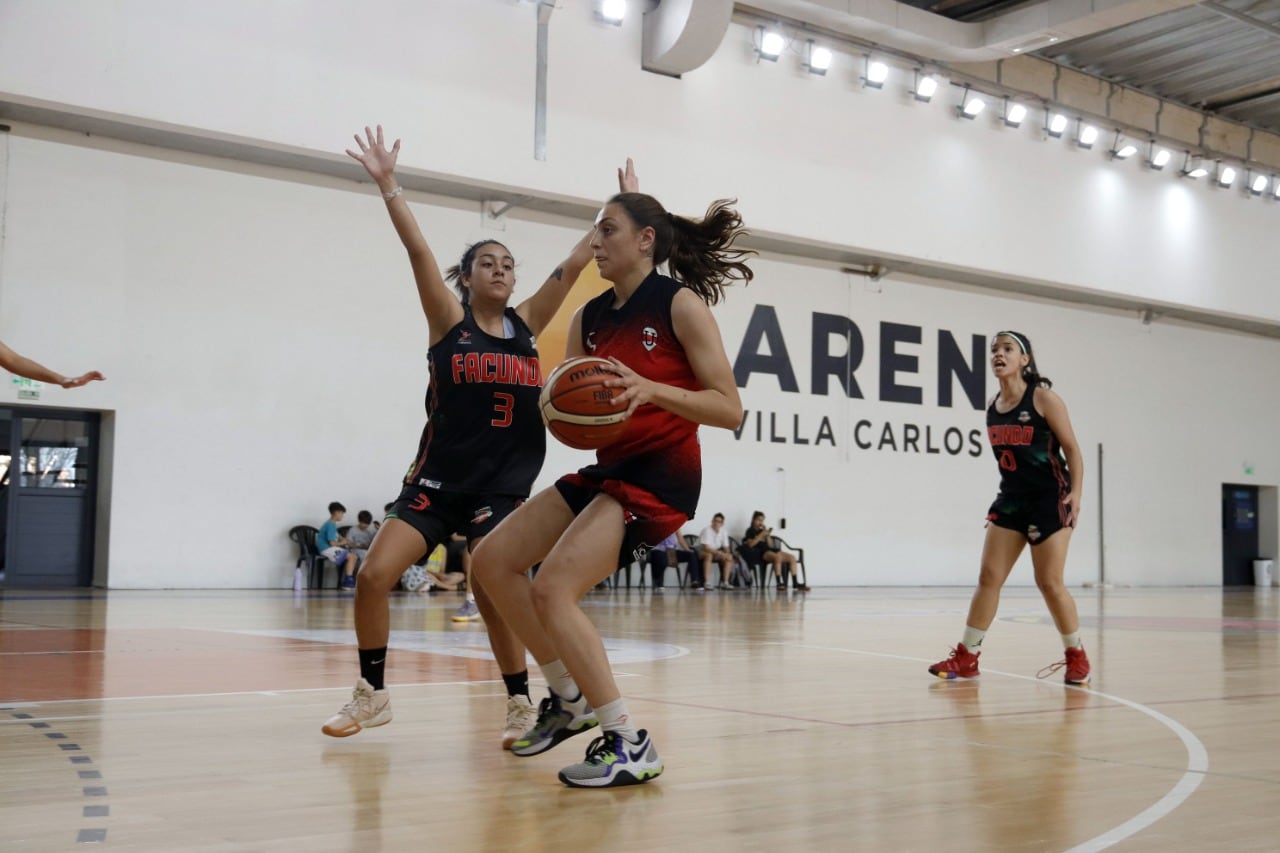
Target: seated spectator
(361,536)
(757,549)
(450,571)
(713,546)
(669,552)
(334,546)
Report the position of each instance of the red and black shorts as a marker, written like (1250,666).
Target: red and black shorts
(1036,515)
(437,515)
(647,519)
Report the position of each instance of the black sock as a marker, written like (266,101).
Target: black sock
(373,666)
(517,683)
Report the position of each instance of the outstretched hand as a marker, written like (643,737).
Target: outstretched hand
(91,376)
(377,159)
(628,182)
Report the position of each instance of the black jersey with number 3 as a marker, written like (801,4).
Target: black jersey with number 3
(483,431)
(1026,449)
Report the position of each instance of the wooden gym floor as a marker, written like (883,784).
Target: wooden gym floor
(190,721)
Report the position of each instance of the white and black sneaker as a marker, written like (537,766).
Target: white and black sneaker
(613,761)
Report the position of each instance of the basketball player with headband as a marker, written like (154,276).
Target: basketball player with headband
(1041,474)
(674,375)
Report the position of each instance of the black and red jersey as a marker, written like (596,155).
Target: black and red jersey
(484,432)
(659,450)
(1026,449)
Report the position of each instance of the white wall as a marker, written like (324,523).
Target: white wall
(266,354)
(870,170)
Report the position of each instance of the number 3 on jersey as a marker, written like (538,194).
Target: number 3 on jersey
(502,405)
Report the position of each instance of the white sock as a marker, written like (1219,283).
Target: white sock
(470,596)
(562,684)
(973,638)
(1072,640)
(613,717)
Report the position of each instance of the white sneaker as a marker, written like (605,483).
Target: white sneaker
(521,716)
(367,708)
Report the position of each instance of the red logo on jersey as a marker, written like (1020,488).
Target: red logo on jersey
(649,337)
(1018,436)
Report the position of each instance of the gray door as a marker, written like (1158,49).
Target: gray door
(48,497)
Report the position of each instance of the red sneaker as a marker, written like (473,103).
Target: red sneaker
(1076,664)
(961,664)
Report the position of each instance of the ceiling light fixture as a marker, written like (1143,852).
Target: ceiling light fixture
(1055,124)
(817,58)
(971,105)
(612,11)
(771,44)
(1192,167)
(1014,113)
(925,86)
(875,73)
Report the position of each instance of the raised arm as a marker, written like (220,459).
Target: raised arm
(441,307)
(23,366)
(718,403)
(538,310)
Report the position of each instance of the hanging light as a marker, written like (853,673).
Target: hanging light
(971,105)
(1258,184)
(1014,113)
(876,73)
(1226,175)
(772,43)
(1087,135)
(1122,149)
(1055,124)
(1192,167)
(817,59)
(1159,158)
(925,86)
(612,11)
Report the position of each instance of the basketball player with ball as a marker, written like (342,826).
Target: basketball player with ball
(482,446)
(650,347)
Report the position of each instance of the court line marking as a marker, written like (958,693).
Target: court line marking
(1197,756)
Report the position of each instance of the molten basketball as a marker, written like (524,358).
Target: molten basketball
(577,407)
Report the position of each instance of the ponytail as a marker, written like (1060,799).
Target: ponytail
(700,254)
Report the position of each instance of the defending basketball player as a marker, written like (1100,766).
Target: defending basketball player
(20,365)
(659,333)
(1041,470)
(482,446)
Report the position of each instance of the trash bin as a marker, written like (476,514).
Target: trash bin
(1262,574)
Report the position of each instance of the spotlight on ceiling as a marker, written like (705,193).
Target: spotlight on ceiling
(1258,184)
(1159,158)
(1226,175)
(770,45)
(612,11)
(1122,149)
(925,86)
(1192,167)
(817,58)
(1014,113)
(876,74)
(971,105)
(1086,136)
(1055,124)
